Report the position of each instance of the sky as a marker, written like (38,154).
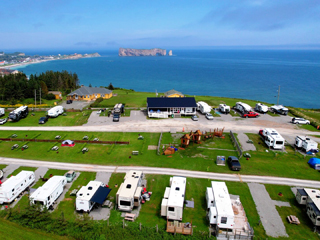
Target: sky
(110,24)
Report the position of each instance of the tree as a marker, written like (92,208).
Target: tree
(110,87)
(44,89)
(90,85)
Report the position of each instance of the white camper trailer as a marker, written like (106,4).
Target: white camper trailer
(2,112)
(306,144)
(15,185)
(261,108)
(173,200)
(55,111)
(224,108)
(273,139)
(279,109)
(17,114)
(313,211)
(88,196)
(129,193)
(49,192)
(203,107)
(243,107)
(220,212)
(306,195)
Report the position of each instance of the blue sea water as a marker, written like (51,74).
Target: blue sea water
(249,74)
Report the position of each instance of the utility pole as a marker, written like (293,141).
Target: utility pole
(278,95)
(40,96)
(35,98)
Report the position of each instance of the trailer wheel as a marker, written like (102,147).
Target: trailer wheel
(1,174)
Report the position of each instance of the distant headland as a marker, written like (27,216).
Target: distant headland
(125,52)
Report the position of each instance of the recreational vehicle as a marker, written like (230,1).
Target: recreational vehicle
(261,108)
(203,107)
(279,109)
(15,185)
(306,195)
(224,108)
(173,199)
(243,107)
(88,196)
(119,108)
(2,112)
(313,211)
(49,192)
(17,114)
(306,144)
(129,193)
(55,111)
(272,138)
(220,212)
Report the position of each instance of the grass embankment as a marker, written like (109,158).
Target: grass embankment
(201,157)
(71,119)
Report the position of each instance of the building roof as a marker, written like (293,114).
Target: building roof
(89,91)
(153,102)
(171,92)
(55,92)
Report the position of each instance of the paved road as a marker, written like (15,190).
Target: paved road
(165,171)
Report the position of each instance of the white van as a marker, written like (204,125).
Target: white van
(55,111)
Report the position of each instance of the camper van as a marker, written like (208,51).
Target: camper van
(55,111)
(272,138)
(306,144)
(18,113)
(279,109)
(173,199)
(15,185)
(49,192)
(119,108)
(219,207)
(129,193)
(243,107)
(88,196)
(261,108)
(2,112)
(203,107)
(224,108)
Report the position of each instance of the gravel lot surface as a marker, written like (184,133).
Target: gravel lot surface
(8,170)
(243,138)
(269,215)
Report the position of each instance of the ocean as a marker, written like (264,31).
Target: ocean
(247,74)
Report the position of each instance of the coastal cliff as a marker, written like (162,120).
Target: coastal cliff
(124,52)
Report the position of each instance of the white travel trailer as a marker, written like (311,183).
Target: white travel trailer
(306,144)
(88,196)
(15,185)
(313,210)
(17,114)
(49,192)
(2,112)
(279,109)
(129,193)
(273,139)
(203,107)
(220,212)
(305,195)
(224,108)
(55,111)
(243,107)
(261,108)
(173,199)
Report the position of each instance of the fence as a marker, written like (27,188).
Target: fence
(59,140)
(236,144)
(159,144)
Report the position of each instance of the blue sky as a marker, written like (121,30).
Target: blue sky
(110,24)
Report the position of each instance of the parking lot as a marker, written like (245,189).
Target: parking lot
(76,104)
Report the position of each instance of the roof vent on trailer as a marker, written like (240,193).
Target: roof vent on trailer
(177,189)
(129,186)
(89,188)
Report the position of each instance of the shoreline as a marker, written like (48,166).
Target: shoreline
(25,64)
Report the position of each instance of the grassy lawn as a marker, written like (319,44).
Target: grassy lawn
(13,231)
(15,172)
(67,206)
(302,231)
(2,166)
(72,119)
(308,127)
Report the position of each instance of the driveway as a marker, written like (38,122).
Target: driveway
(76,104)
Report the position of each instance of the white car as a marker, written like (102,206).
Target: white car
(209,116)
(195,118)
(3,121)
(300,121)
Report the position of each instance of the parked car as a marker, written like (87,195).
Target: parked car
(70,176)
(209,116)
(99,112)
(3,121)
(195,118)
(116,117)
(250,114)
(69,101)
(43,120)
(300,121)
(234,163)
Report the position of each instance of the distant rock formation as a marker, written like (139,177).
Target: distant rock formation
(170,53)
(124,52)
(92,55)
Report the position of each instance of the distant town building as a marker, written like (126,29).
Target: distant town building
(2,63)
(6,71)
(1,53)
(173,93)
(89,93)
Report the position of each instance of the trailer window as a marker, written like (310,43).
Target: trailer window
(125,203)
(30,177)
(136,200)
(224,220)
(314,215)
(279,142)
(38,202)
(48,198)
(171,209)
(12,190)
